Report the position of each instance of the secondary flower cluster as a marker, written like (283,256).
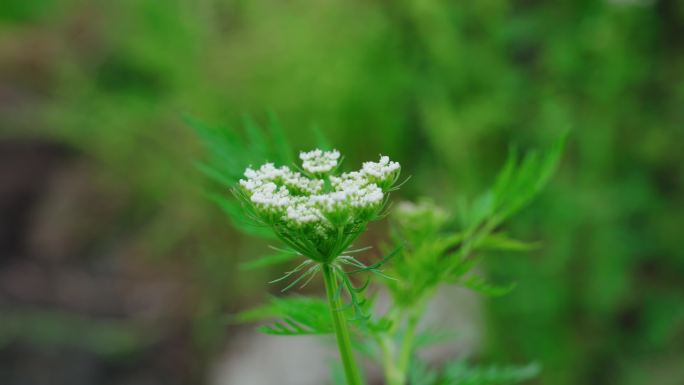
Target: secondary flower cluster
(317,202)
(419,217)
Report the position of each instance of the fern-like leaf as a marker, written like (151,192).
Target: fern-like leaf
(295,316)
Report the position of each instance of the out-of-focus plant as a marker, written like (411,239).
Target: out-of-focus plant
(317,213)
(437,251)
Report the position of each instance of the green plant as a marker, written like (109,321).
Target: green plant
(318,212)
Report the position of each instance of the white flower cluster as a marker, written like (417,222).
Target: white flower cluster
(380,169)
(318,161)
(287,197)
(295,182)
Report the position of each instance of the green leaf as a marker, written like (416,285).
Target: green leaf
(228,154)
(298,316)
(463,266)
(480,285)
(519,181)
(481,209)
(502,242)
(215,174)
(447,243)
(238,218)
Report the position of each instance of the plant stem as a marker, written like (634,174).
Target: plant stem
(393,375)
(340,326)
(407,347)
(397,355)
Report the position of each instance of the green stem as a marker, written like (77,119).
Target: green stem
(393,375)
(406,350)
(397,356)
(340,325)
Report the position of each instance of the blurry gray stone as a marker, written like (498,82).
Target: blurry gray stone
(258,359)
(458,311)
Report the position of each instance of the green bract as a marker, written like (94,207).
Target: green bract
(318,212)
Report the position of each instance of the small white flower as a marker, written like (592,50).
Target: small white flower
(300,183)
(383,173)
(380,169)
(318,161)
(269,196)
(349,180)
(303,213)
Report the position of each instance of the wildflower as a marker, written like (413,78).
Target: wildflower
(320,213)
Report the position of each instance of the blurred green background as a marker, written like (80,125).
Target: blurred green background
(116,269)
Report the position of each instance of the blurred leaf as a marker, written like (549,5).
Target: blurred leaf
(299,316)
(480,285)
(228,155)
(463,265)
(480,210)
(520,181)
(236,214)
(501,242)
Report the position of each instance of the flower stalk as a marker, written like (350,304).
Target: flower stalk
(340,327)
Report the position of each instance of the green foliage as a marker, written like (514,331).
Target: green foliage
(443,85)
(435,254)
(296,316)
(428,254)
(480,285)
(518,182)
(228,154)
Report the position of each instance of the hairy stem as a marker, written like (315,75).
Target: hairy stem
(340,326)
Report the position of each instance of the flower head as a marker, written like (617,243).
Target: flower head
(325,212)
(416,219)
